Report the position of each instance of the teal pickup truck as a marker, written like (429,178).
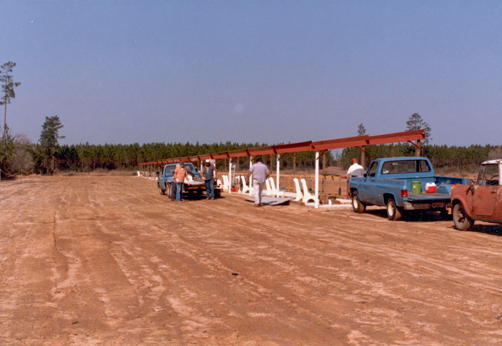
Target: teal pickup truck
(194,184)
(402,183)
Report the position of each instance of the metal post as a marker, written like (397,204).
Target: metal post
(294,163)
(363,158)
(230,175)
(317,179)
(324,162)
(277,175)
(251,176)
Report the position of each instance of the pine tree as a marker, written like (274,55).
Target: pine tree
(361,131)
(49,141)
(8,86)
(415,122)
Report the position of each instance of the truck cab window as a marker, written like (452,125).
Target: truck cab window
(488,175)
(373,169)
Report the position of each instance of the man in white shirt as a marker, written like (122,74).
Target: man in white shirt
(356,170)
(260,173)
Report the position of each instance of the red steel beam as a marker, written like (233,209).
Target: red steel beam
(340,143)
(398,137)
(358,141)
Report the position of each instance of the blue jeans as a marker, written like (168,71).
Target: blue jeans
(179,191)
(210,188)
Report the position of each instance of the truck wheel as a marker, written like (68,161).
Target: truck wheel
(168,190)
(461,220)
(394,213)
(357,205)
(162,192)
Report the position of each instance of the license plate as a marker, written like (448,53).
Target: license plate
(438,205)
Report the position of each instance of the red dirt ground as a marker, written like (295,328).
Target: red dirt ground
(109,261)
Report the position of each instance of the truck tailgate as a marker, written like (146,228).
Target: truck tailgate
(428,197)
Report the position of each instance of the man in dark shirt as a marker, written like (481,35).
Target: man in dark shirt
(209,172)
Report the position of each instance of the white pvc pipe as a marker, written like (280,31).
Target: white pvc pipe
(277,177)
(251,176)
(317,179)
(230,175)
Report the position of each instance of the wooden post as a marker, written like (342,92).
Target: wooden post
(294,163)
(417,148)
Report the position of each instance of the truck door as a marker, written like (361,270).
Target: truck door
(367,190)
(486,191)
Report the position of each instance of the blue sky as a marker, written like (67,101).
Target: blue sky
(254,71)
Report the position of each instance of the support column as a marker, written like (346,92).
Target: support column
(277,174)
(251,176)
(324,162)
(363,157)
(417,148)
(229,175)
(294,163)
(317,179)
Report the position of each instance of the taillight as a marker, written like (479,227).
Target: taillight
(404,193)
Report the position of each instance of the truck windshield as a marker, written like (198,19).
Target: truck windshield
(405,166)
(488,175)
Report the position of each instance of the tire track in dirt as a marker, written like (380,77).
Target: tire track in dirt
(107,260)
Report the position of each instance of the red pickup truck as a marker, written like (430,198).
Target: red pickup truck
(482,200)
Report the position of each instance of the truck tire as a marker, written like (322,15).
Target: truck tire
(394,213)
(162,192)
(168,190)
(358,206)
(461,220)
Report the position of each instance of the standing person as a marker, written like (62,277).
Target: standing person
(180,174)
(209,171)
(260,173)
(173,184)
(355,170)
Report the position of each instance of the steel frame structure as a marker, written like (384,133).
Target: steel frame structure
(319,147)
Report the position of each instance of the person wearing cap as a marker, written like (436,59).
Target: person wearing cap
(209,171)
(355,170)
(260,173)
(180,174)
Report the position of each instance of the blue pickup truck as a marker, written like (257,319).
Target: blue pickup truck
(194,185)
(402,183)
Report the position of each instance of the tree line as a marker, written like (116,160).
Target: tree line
(24,157)
(46,157)
(20,156)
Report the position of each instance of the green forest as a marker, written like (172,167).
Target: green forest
(47,156)
(23,157)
